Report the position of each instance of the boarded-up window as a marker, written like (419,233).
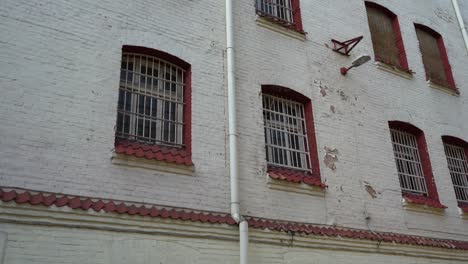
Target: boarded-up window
(386,37)
(434,57)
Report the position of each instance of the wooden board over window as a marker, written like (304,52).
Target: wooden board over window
(383,35)
(432,59)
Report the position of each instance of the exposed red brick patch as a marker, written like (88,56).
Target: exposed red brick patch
(422,200)
(295,176)
(85,203)
(154,152)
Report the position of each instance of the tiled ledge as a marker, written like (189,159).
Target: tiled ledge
(131,161)
(422,204)
(19,205)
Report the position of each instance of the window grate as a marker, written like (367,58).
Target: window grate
(285,133)
(408,162)
(279,9)
(458,166)
(150,107)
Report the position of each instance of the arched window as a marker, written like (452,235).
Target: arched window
(154,105)
(434,56)
(285,12)
(456,151)
(386,36)
(413,164)
(291,149)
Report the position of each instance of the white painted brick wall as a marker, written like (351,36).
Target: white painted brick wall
(59,74)
(34,245)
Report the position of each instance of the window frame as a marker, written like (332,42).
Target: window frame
(454,141)
(286,130)
(450,81)
(296,18)
(311,177)
(403,60)
(168,153)
(431,198)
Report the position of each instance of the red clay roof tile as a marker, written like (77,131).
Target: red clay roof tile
(74,203)
(36,199)
(49,200)
(24,196)
(86,204)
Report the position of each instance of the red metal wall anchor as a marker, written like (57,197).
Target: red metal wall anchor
(345,47)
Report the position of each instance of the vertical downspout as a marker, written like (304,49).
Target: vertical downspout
(233,163)
(460,21)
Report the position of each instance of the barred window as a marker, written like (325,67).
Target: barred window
(408,162)
(458,166)
(386,36)
(280,9)
(150,107)
(285,133)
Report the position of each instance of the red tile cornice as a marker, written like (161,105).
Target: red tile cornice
(19,196)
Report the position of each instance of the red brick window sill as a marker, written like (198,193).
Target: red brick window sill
(422,200)
(154,152)
(294,176)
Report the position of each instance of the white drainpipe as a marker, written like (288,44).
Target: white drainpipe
(233,163)
(460,21)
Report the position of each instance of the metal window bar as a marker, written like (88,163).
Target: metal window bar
(285,133)
(150,107)
(458,167)
(408,162)
(279,9)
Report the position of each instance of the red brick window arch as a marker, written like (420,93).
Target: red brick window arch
(154,106)
(456,152)
(284,12)
(413,164)
(434,56)
(386,36)
(290,144)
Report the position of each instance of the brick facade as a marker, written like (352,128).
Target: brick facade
(59,73)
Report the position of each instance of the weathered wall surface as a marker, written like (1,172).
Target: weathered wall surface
(33,244)
(351,114)
(59,76)
(60,64)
